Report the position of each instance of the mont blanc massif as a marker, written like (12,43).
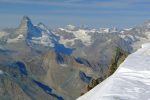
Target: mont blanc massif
(74,63)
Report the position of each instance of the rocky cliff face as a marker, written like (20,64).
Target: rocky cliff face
(17,84)
(65,74)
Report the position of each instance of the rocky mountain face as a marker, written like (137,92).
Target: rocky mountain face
(58,64)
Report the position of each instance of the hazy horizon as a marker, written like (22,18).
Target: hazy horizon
(57,13)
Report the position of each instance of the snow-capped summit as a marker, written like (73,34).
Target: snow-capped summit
(70,27)
(43,27)
(37,37)
(33,34)
(39,34)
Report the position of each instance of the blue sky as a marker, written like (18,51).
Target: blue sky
(91,13)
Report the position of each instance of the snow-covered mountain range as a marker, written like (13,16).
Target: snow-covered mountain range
(60,63)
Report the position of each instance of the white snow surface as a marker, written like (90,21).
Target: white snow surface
(131,81)
(44,40)
(80,34)
(15,40)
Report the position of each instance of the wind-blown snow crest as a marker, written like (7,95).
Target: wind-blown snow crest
(131,81)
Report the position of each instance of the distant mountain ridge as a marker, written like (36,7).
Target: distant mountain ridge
(60,62)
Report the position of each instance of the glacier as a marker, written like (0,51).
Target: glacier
(131,81)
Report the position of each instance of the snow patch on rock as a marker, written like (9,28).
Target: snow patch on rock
(17,39)
(80,34)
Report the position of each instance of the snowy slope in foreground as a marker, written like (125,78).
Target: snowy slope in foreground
(130,82)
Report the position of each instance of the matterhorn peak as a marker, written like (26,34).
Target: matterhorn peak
(25,26)
(26,18)
(26,22)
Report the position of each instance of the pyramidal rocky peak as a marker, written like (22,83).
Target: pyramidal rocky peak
(26,22)
(25,26)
